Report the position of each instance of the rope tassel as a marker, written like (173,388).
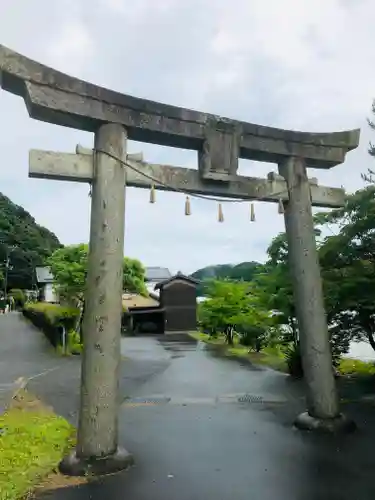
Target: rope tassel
(281,206)
(187,206)
(152,194)
(220,213)
(252,213)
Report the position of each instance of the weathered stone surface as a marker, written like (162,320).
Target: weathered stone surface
(79,168)
(74,465)
(97,434)
(338,425)
(58,98)
(220,151)
(322,397)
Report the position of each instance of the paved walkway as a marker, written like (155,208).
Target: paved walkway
(203,427)
(24,352)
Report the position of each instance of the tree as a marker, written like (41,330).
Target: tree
(226,301)
(134,276)
(233,306)
(69,268)
(276,291)
(348,266)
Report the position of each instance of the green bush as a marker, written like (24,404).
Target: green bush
(19,297)
(52,319)
(253,336)
(74,342)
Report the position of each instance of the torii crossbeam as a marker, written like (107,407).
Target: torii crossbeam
(79,167)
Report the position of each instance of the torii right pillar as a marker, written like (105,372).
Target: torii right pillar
(323,411)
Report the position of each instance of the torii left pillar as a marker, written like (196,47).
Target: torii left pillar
(101,359)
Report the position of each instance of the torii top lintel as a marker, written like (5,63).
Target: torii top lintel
(55,97)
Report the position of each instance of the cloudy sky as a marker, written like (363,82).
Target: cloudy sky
(298,64)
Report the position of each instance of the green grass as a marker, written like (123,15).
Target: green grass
(274,357)
(270,356)
(32,442)
(205,338)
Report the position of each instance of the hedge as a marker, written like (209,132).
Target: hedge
(51,319)
(19,297)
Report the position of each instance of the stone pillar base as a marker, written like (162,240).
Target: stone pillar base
(338,425)
(72,465)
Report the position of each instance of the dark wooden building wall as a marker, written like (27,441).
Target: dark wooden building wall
(179,300)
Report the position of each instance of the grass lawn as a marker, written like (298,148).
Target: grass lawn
(32,441)
(270,356)
(274,357)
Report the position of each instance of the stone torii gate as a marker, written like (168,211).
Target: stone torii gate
(57,98)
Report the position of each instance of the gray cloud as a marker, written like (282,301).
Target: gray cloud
(290,64)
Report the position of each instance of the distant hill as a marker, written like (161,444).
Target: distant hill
(33,244)
(244,271)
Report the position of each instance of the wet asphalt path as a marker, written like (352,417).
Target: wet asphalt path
(202,427)
(24,352)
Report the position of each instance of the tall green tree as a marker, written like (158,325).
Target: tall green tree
(275,287)
(226,302)
(348,266)
(69,268)
(234,306)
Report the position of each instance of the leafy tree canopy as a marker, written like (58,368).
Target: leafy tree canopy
(347,262)
(69,268)
(348,265)
(235,304)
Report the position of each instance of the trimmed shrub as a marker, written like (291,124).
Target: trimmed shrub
(19,297)
(52,319)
